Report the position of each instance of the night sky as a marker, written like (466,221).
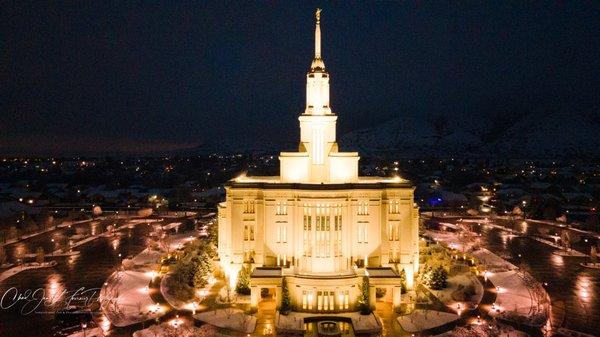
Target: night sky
(77,77)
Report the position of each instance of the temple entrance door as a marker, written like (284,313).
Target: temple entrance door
(325,301)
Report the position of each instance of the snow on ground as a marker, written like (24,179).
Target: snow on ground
(465,279)
(28,236)
(93,332)
(591,265)
(513,295)
(233,319)
(176,241)
(449,238)
(144,220)
(211,290)
(425,319)
(171,299)
(172,225)
(185,329)
(505,331)
(15,270)
(84,241)
(491,260)
(54,254)
(568,253)
(125,299)
(146,257)
(561,250)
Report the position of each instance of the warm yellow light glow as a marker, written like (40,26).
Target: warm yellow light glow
(104,324)
(233,278)
(241,178)
(317,216)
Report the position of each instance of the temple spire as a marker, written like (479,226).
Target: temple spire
(317,63)
(318,34)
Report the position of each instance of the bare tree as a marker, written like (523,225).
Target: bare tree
(40,255)
(2,255)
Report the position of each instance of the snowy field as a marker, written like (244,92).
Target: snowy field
(126,301)
(425,319)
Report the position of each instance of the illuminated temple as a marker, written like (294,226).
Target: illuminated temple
(319,224)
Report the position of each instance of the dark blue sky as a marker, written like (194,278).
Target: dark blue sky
(139,76)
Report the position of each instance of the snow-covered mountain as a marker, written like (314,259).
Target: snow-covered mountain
(533,135)
(530,136)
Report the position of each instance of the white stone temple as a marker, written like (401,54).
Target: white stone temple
(319,224)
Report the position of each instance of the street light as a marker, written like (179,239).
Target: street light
(83,326)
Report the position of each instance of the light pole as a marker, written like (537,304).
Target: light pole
(83,326)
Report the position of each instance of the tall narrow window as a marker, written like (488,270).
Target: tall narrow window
(251,233)
(248,206)
(304,304)
(319,300)
(307,234)
(363,232)
(281,208)
(394,231)
(323,229)
(363,208)
(281,231)
(278,233)
(394,207)
(346,299)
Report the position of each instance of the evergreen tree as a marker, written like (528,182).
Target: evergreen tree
(286,302)
(439,278)
(402,281)
(243,281)
(200,277)
(365,298)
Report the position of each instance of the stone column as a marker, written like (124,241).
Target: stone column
(410,275)
(396,296)
(254,297)
(372,296)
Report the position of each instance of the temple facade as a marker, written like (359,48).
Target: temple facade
(319,224)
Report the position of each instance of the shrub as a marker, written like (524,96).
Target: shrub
(243,282)
(403,282)
(364,298)
(439,278)
(380,292)
(286,302)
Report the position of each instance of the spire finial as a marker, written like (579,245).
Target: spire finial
(318,34)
